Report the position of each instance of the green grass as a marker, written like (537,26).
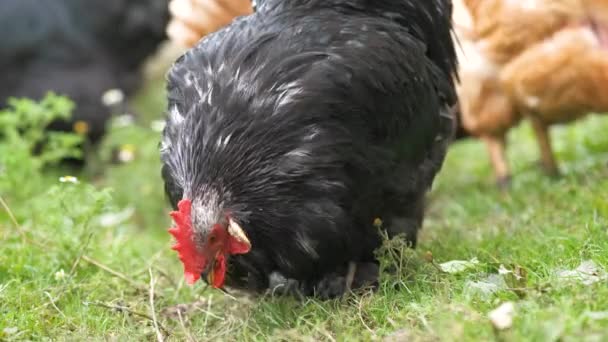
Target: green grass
(69,268)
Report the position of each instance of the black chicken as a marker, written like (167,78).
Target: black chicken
(77,48)
(292,129)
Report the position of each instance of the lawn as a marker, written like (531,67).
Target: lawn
(90,259)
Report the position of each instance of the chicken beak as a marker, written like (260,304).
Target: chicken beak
(235,230)
(210,277)
(209,272)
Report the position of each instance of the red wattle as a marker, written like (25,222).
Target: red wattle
(194,263)
(219,271)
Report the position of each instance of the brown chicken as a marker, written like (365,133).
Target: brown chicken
(485,110)
(193,19)
(546,60)
(505,28)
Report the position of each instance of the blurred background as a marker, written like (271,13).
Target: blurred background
(109,60)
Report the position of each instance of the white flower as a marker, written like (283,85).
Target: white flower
(157,125)
(60,275)
(126,153)
(112,97)
(68,179)
(124,120)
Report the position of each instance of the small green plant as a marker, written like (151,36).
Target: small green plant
(46,221)
(27,147)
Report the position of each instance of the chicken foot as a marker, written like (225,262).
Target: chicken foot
(332,285)
(279,285)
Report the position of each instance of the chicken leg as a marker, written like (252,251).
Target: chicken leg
(496,149)
(544,143)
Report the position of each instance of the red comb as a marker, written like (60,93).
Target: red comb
(194,262)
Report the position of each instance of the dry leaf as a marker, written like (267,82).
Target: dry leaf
(10,331)
(116,218)
(399,335)
(597,315)
(486,287)
(588,273)
(457,266)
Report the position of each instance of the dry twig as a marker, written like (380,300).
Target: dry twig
(159,335)
(52,302)
(361,315)
(13,219)
(184,329)
(167,276)
(122,308)
(80,254)
(114,273)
